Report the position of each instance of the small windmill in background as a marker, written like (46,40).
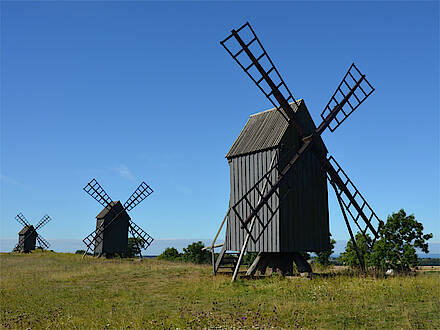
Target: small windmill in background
(28,236)
(113,223)
(279,170)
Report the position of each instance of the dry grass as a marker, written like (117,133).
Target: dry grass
(47,290)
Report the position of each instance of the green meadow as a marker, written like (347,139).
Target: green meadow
(57,290)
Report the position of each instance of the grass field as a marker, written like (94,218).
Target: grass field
(54,290)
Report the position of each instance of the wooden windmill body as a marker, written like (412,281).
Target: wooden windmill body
(301,223)
(113,224)
(28,237)
(279,165)
(115,238)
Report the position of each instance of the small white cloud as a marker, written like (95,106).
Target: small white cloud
(124,172)
(12,181)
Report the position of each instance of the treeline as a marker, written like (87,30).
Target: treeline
(429,261)
(337,261)
(394,248)
(194,253)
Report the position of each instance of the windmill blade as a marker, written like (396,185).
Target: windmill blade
(43,243)
(22,220)
(141,234)
(94,189)
(347,223)
(141,192)
(352,200)
(93,239)
(246,49)
(351,92)
(273,179)
(43,222)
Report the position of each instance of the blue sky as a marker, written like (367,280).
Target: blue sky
(132,91)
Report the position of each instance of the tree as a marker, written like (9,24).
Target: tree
(397,243)
(322,257)
(349,256)
(194,253)
(170,254)
(134,247)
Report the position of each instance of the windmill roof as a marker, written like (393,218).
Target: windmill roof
(25,230)
(263,130)
(106,210)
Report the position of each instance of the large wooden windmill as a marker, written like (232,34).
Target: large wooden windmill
(279,169)
(28,236)
(113,223)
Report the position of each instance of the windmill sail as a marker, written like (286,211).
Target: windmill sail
(251,56)
(349,95)
(94,189)
(22,219)
(141,192)
(43,222)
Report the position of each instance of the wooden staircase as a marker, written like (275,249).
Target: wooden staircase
(229,261)
(226,261)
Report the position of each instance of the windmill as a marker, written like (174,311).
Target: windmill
(113,223)
(28,236)
(279,170)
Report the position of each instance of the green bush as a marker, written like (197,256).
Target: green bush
(249,258)
(134,247)
(170,254)
(322,257)
(82,252)
(194,253)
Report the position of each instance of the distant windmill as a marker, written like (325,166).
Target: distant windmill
(113,223)
(279,170)
(28,236)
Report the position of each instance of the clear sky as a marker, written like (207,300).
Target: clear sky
(132,91)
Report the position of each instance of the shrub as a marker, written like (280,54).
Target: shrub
(322,257)
(249,258)
(194,253)
(134,247)
(170,254)
(82,252)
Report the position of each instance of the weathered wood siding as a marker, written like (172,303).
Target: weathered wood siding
(245,171)
(302,222)
(115,236)
(27,241)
